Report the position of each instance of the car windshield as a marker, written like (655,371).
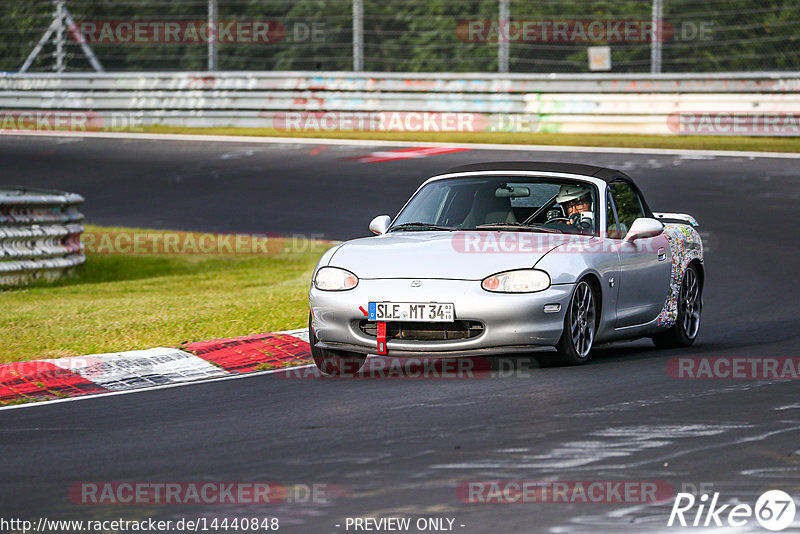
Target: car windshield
(501,203)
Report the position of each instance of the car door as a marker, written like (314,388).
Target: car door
(645,264)
(609,268)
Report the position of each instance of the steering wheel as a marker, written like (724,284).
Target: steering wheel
(573,220)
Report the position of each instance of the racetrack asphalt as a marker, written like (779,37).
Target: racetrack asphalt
(402,447)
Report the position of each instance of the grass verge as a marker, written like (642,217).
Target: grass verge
(688,142)
(124,301)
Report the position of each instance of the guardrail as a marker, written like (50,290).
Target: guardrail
(579,103)
(40,233)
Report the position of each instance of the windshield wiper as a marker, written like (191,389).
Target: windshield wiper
(422,225)
(534,227)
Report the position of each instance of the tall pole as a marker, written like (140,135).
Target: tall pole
(657,36)
(212,34)
(61,56)
(358,35)
(502,37)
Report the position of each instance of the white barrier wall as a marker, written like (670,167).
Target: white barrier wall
(740,103)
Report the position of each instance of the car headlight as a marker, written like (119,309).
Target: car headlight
(335,279)
(521,281)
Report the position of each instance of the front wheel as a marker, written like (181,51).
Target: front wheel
(579,326)
(334,362)
(690,304)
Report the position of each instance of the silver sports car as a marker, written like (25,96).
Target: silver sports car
(500,258)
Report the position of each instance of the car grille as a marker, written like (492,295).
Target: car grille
(421,331)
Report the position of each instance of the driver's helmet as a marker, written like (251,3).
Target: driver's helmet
(569,194)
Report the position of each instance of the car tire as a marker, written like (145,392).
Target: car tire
(690,305)
(334,362)
(580,325)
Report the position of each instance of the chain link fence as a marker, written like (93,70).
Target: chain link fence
(518,36)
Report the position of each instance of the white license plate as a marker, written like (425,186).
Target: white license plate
(429,312)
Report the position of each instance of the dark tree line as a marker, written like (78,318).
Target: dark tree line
(421,35)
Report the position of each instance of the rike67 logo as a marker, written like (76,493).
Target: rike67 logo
(774,510)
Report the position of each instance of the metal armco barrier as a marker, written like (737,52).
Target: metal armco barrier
(578,103)
(40,233)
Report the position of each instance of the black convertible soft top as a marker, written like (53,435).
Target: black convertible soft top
(602,173)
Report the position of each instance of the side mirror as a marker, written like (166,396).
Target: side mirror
(644,227)
(380,224)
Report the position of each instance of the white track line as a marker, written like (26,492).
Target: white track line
(376,142)
(90,396)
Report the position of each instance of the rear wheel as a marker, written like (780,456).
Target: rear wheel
(334,362)
(579,326)
(690,305)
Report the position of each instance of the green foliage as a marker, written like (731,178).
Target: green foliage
(128,301)
(421,35)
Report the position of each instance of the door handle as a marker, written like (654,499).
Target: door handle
(662,254)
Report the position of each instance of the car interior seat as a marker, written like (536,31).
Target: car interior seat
(488,208)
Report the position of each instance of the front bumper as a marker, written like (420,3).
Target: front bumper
(512,322)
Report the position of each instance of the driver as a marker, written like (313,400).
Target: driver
(576,200)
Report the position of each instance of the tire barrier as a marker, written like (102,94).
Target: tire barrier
(40,234)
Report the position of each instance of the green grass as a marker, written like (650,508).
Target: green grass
(121,302)
(761,144)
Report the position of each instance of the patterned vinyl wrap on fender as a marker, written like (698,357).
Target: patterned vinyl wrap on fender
(686,245)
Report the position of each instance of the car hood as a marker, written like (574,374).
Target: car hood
(441,254)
